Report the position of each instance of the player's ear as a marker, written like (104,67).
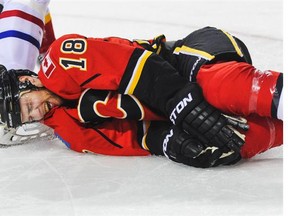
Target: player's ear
(33,80)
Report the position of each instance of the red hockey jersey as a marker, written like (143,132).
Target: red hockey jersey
(75,63)
(112,137)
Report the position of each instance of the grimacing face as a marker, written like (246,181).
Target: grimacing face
(35,104)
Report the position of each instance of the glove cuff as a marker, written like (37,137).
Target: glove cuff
(155,136)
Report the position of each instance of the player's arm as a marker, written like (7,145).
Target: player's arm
(96,106)
(158,84)
(115,137)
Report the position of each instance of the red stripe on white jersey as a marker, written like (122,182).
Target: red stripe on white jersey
(23,15)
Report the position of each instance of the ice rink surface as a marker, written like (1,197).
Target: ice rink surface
(47,179)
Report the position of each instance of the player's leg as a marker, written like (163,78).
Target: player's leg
(241,89)
(264,133)
(21,32)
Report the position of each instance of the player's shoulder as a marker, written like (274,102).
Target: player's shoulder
(58,44)
(68,37)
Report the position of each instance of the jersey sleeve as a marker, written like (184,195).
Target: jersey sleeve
(115,137)
(100,105)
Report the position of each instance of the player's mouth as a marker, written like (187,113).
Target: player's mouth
(48,106)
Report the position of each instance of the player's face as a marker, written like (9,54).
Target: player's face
(36,104)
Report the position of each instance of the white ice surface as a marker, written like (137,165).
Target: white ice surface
(46,178)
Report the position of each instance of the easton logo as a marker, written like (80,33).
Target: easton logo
(179,107)
(165,142)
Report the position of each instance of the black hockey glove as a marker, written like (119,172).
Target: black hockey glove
(177,145)
(190,111)
(184,148)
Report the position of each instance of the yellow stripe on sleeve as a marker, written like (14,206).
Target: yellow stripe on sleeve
(191,51)
(137,72)
(238,50)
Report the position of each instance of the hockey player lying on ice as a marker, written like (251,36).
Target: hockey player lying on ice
(116,97)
